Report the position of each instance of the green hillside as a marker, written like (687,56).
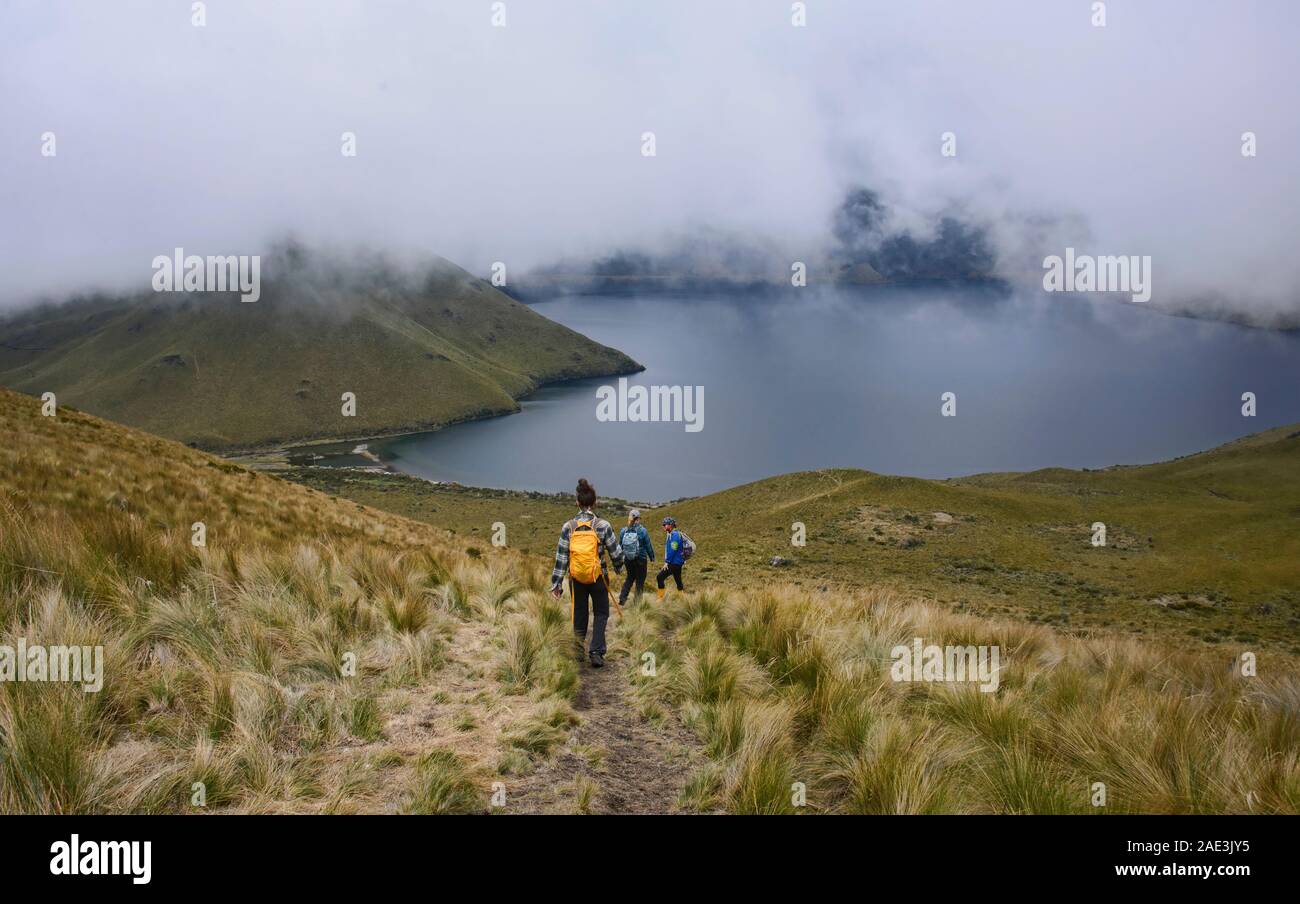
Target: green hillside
(1206,547)
(1203,548)
(418,352)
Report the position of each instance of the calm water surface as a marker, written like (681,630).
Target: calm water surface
(855,381)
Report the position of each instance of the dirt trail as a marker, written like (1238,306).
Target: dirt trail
(630,764)
(811,497)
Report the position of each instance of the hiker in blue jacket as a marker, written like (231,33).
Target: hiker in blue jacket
(638,552)
(677,548)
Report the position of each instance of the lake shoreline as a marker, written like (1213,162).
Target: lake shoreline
(265,454)
(381,471)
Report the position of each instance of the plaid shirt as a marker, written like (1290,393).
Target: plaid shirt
(604,533)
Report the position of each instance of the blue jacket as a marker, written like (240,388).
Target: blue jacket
(647,548)
(673,546)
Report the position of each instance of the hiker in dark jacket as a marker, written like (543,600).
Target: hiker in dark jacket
(638,552)
(675,543)
(578,555)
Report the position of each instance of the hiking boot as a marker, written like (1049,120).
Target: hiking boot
(597,660)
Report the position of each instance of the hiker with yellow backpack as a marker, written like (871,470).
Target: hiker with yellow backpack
(578,556)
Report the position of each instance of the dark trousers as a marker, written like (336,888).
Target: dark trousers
(675,571)
(636,571)
(598,593)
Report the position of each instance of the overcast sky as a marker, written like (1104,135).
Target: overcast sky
(523,143)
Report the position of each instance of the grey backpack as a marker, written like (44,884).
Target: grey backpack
(630,540)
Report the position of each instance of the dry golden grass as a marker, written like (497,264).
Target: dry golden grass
(785,686)
(307,658)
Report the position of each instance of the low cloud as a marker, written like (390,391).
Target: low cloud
(523,144)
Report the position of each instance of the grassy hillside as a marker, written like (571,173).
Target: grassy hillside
(1204,548)
(226,671)
(783,672)
(227,664)
(417,351)
(792,694)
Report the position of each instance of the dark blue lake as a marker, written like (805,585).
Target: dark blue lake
(855,380)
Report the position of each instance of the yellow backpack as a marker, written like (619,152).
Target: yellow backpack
(584,552)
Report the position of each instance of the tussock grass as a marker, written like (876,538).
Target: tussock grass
(538,733)
(443,786)
(788,688)
(537,650)
(712,672)
(267,665)
(584,794)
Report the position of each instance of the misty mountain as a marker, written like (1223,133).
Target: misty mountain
(866,245)
(417,349)
(865,234)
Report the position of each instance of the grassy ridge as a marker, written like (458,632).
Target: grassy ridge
(1204,547)
(417,352)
